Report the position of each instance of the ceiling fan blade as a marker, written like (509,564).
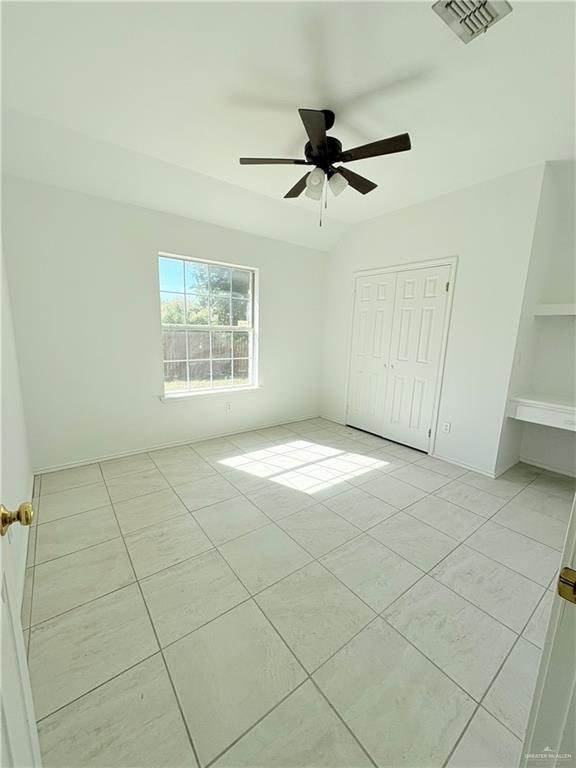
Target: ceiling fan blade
(271,161)
(299,187)
(399,143)
(315,124)
(356,181)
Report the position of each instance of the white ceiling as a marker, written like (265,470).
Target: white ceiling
(192,86)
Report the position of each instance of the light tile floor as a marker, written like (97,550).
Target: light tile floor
(302,596)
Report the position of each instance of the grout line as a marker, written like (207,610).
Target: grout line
(75,551)
(252,599)
(96,687)
(339,716)
(308,677)
(152,626)
(463,542)
(428,573)
(75,487)
(260,719)
(246,599)
(488,689)
(74,514)
(378,615)
(252,596)
(479,706)
(313,558)
(81,605)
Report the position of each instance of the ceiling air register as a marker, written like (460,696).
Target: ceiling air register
(471,18)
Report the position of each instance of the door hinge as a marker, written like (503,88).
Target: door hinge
(567,584)
(429,433)
(447,286)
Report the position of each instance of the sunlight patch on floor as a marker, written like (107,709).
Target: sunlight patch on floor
(304,466)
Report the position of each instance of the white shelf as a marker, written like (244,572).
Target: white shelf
(555,310)
(548,410)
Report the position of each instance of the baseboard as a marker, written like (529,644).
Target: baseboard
(469,467)
(211,436)
(547,467)
(506,467)
(335,419)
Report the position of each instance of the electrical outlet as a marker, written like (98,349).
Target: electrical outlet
(446,427)
(228,407)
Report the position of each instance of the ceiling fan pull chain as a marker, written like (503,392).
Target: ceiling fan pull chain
(324,198)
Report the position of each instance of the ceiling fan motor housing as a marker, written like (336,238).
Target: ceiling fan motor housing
(324,151)
(324,159)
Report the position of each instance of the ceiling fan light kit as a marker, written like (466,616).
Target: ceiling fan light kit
(337,183)
(315,184)
(322,152)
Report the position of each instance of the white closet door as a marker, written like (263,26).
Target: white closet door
(371,335)
(414,366)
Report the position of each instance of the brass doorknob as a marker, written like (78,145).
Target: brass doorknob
(567,584)
(24,515)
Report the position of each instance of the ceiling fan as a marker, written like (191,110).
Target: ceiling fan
(323,151)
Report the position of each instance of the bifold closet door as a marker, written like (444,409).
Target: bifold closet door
(371,336)
(415,354)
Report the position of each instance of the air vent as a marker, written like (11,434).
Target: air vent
(470,18)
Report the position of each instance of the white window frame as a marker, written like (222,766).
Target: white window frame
(253,331)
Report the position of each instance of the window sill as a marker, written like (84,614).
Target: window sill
(178,397)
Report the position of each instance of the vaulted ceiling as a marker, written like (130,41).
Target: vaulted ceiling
(144,101)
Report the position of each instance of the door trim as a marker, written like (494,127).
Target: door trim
(452,263)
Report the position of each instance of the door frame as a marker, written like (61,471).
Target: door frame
(452,263)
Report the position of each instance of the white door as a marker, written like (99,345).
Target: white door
(415,356)
(551,733)
(371,334)
(19,736)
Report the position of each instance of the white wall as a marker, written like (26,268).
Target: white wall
(16,469)
(490,228)
(545,357)
(83,276)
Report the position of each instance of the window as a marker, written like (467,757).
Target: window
(207,315)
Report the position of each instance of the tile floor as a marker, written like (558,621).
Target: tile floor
(301,596)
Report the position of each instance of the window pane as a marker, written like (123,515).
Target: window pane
(198,345)
(172,308)
(241,344)
(219,280)
(219,310)
(241,283)
(175,376)
(174,345)
(171,274)
(200,304)
(241,312)
(196,277)
(222,373)
(221,344)
(196,309)
(241,372)
(199,375)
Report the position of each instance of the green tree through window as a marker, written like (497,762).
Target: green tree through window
(207,315)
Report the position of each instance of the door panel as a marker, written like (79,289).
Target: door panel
(397,336)
(550,735)
(20,746)
(371,335)
(416,347)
